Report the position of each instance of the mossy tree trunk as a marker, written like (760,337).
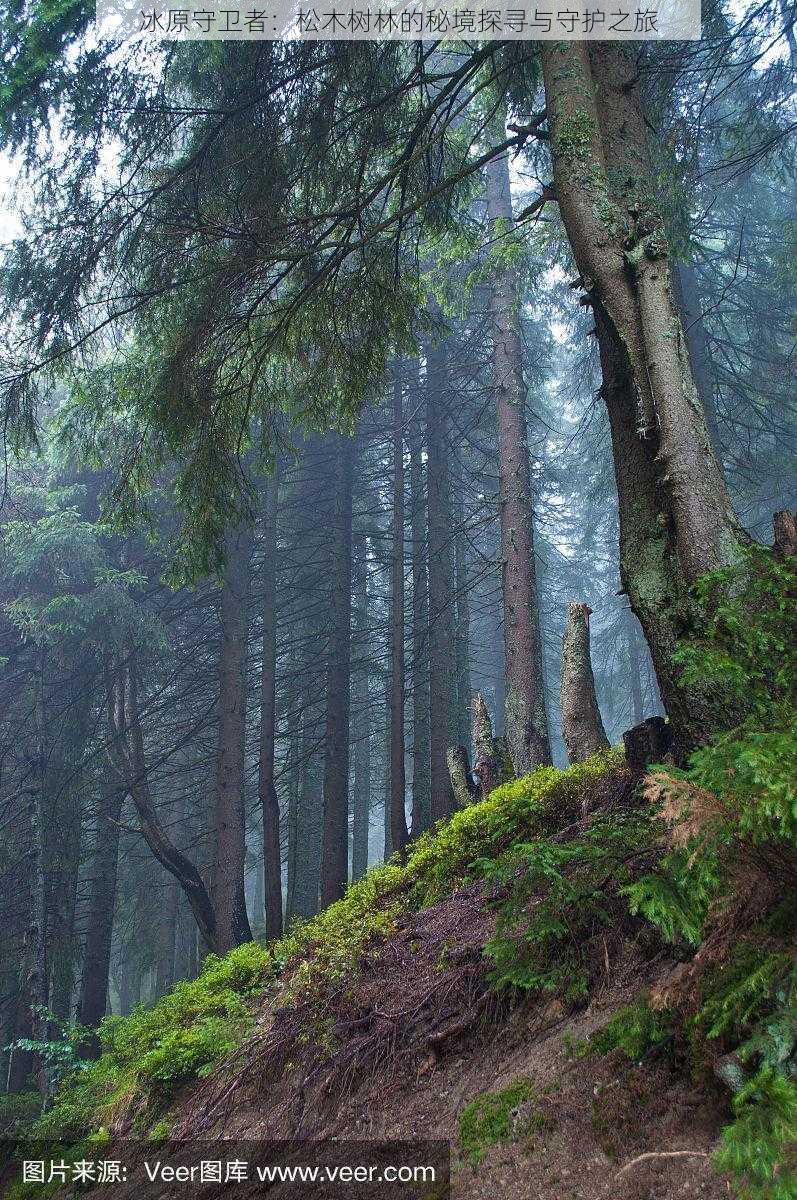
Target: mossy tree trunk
(526,718)
(676,521)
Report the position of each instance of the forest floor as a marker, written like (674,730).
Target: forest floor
(382,1019)
(401,1052)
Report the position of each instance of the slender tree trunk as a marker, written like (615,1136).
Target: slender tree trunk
(582,726)
(634,668)
(398,819)
(361,718)
(420,615)
(526,717)
(167,931)
(102,898)
(334,852)
(267,791)
(441,585)
(676,521)
(232,925)
(462,636)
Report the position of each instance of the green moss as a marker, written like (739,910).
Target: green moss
(154,1051)
(634,1030)
(494,1117)
(148,1056)
(574,135)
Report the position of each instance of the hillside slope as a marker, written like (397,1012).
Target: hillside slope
(500,990)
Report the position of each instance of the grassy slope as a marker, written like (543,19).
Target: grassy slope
(155,1052)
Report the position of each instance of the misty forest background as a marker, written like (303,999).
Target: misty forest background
(287,329)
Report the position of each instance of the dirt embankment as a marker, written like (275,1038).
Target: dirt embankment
(404,1047)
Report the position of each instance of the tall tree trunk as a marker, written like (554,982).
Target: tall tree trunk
(267,791)
(420,614)
(232,925)
(582,726)
(676,521)
(102,898)
(462,626)
(687,291)
(335,843)
(167,931)
(526,717)
(441,584)
(361,718)
(634,668)
(398,818)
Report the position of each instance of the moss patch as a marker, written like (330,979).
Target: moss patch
(494,1117)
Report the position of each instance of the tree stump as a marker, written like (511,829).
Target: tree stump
(582,727)
(462,784)
(784,525)
(647,743)
(486,768)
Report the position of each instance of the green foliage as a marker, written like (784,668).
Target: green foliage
(154,1051)
(634,1030)
(748,647)
(59,1054)
(493,1117)
(755,1147)
(532,806)
(557,897)
(18,1109)
(731,822)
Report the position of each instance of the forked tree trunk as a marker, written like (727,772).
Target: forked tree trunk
(676,521)
(582,726)
(335,839)
(126,742)
(267,790)
(232,925)
(526,718)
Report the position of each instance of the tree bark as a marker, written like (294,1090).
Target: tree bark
(526,717)
(232,925)
(441,585)
(361,718)
(102,898)
(486,768)
(334,853)
(167,931)
(582,727)
(676,521)
(266,787)
(398,787)
(460,775)
(420,819)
